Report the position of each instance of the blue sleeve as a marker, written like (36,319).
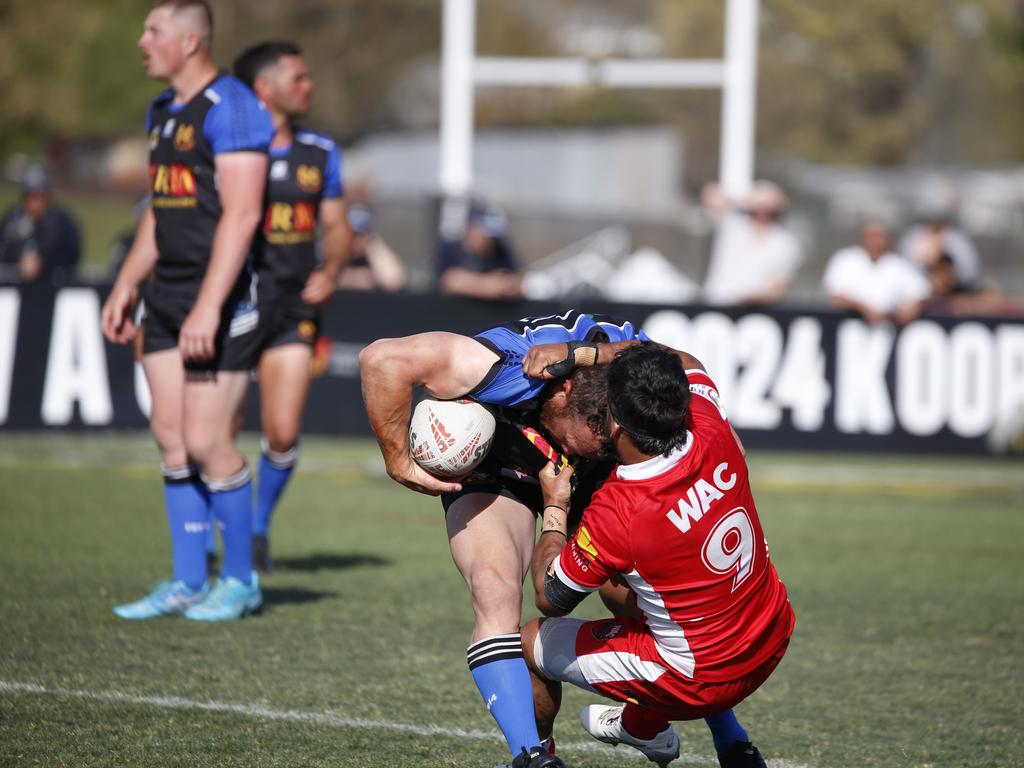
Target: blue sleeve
(332,175)
(238,122)
(506,384)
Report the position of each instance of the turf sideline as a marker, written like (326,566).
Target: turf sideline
(326,719)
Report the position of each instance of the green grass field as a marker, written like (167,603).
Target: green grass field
(907,576)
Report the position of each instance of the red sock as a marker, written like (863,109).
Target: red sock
(641,723)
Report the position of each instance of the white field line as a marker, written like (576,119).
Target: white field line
(328,719)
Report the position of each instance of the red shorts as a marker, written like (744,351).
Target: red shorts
(618,659)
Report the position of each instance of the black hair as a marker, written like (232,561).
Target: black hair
(649,397)
(254,59)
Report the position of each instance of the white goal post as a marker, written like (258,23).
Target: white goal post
(462,71)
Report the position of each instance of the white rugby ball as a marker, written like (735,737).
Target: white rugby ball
(449,438)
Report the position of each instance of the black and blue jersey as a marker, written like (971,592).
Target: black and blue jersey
(506,384)
(300,176)
(184,140)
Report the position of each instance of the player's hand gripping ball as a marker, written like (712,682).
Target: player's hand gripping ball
(449,438)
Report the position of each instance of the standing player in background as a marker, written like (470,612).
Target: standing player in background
(708,619)
(304,190)
(208,140)
(490,516)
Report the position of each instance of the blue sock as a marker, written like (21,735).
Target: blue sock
(725,729)
(187,503)
(504,681)
(231,500)
(211,533)
(275,471)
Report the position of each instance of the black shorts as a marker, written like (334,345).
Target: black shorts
(523,486)
(291,322)
(238,340)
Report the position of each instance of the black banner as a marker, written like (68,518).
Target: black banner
(789,378)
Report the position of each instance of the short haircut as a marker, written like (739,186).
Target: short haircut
(649,397)
(588,397)
(256,58)
(200,7)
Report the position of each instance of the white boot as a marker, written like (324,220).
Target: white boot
(604,723)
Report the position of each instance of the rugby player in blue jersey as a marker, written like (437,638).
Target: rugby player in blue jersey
(304,195)
(490,515)
(208,138)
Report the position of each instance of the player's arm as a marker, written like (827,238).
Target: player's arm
(241,177)
(138,264)
(554,597)
(447,365)
(337,245)
(558,360)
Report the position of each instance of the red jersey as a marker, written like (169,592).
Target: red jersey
(683,531)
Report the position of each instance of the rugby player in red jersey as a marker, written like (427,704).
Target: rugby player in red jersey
(706,619)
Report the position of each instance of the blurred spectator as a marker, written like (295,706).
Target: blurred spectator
(372,264)
(482,263)
(924,243)
(38,240)
(753,257)
(875,282)
(952,297)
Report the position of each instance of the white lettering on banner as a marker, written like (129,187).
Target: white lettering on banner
(1010,346)
(862,398)
(713,342)
(77,365)
(922,378)
(142,395)
(759,349)
(10,304)
(971,368)
(671,328)
(801,385)
(743,358)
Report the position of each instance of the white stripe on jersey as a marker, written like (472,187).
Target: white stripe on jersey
(567,580)
(668,635)
(610,666)
(212,95)
(305,137)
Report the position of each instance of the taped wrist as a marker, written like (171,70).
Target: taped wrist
(580,353)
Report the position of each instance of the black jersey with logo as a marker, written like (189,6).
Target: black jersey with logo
(299,177)
(184,139)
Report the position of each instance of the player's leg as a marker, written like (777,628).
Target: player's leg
(185,495)
(491,539)
(604,657)
(211,403)
(284,384)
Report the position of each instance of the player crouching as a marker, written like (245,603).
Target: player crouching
(708,618)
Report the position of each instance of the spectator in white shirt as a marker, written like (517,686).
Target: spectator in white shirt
(753,257)
(875,282)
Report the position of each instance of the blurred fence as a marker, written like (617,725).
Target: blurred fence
(789,378)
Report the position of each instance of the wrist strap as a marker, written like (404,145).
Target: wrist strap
(578,353)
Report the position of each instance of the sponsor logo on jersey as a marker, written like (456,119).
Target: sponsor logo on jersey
(154,137)
(279,170)
(307,329)
(185,138)
(286,223)
(309,178)
(584,542)
(607,630)
(174,185)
